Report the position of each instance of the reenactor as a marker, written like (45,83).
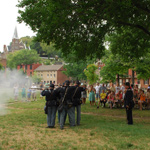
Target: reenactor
(51,105)
(128,103)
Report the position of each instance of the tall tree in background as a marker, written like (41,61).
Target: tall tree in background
(82,25)
(22,57)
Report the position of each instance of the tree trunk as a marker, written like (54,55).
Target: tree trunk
(118,78)
(133,77)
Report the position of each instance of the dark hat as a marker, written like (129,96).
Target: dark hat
(127,84)
(52,85)
(78,82)
(67,82)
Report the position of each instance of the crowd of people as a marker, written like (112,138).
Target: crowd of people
(26,94)
(114,96)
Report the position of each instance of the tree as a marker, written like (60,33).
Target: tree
(75,70)
(81,26)
(92,77)
(36,78)
(27,40)
(113,66)
(1,67)
(22,57)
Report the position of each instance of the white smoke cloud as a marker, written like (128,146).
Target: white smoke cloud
(8,79)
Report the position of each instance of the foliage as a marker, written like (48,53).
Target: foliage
(36,78)
(27,40)
(1,67)
(113,66)
(75,70)
(81,26)
(92,77)
(22,57)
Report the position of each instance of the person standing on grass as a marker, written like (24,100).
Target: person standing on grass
(92,95)
(77,100)
(51,104)
(84,94)
(29,94)
(33,87)
(23,93)
(128,103)
(97,88)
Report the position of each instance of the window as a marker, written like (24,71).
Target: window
(51,75)
(54,75)
(30,73)
(47,75)
(146,82)
(127,80)
(20,66)
(30,67)
(41,75)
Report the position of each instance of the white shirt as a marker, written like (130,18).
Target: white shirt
(97,88)
(33,88)
(117,89)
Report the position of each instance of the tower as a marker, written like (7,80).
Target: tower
(16,44)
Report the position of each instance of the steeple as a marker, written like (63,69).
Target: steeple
(15,36)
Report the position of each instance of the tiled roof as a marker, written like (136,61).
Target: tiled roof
(48,68)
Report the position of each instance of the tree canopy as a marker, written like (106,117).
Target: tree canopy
(22,57)
(81,26)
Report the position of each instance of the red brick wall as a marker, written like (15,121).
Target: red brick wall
(61,77)
(28,70)
(3,62)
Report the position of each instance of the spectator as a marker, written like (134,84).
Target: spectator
(112,88)
(97,88)
(92,95)
(103,88)
(102,99)
(142,99)
(117,88)
(29,94)
(148,98)
(33,87)
(123,90)
(84,94)
(111,98)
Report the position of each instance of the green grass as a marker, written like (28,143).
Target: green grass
(23,128)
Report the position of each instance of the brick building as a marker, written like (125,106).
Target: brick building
(51,73)
(141,83)
(28,69)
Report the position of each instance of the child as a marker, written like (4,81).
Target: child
(102,98)
(111,99)
(142,99)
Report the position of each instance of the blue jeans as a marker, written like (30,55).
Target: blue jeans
(51,116)
(78,108)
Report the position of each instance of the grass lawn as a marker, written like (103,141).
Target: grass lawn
(23,128)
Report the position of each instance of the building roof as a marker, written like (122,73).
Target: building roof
(48,68)
(15,36)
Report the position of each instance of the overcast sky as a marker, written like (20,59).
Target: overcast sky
(8,19)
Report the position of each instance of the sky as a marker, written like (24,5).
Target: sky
(8,17)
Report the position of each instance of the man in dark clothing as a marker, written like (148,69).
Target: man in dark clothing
(67,94)
(77,101)
(127,103)
(51,103)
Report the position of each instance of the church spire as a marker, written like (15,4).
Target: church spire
(15,36)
